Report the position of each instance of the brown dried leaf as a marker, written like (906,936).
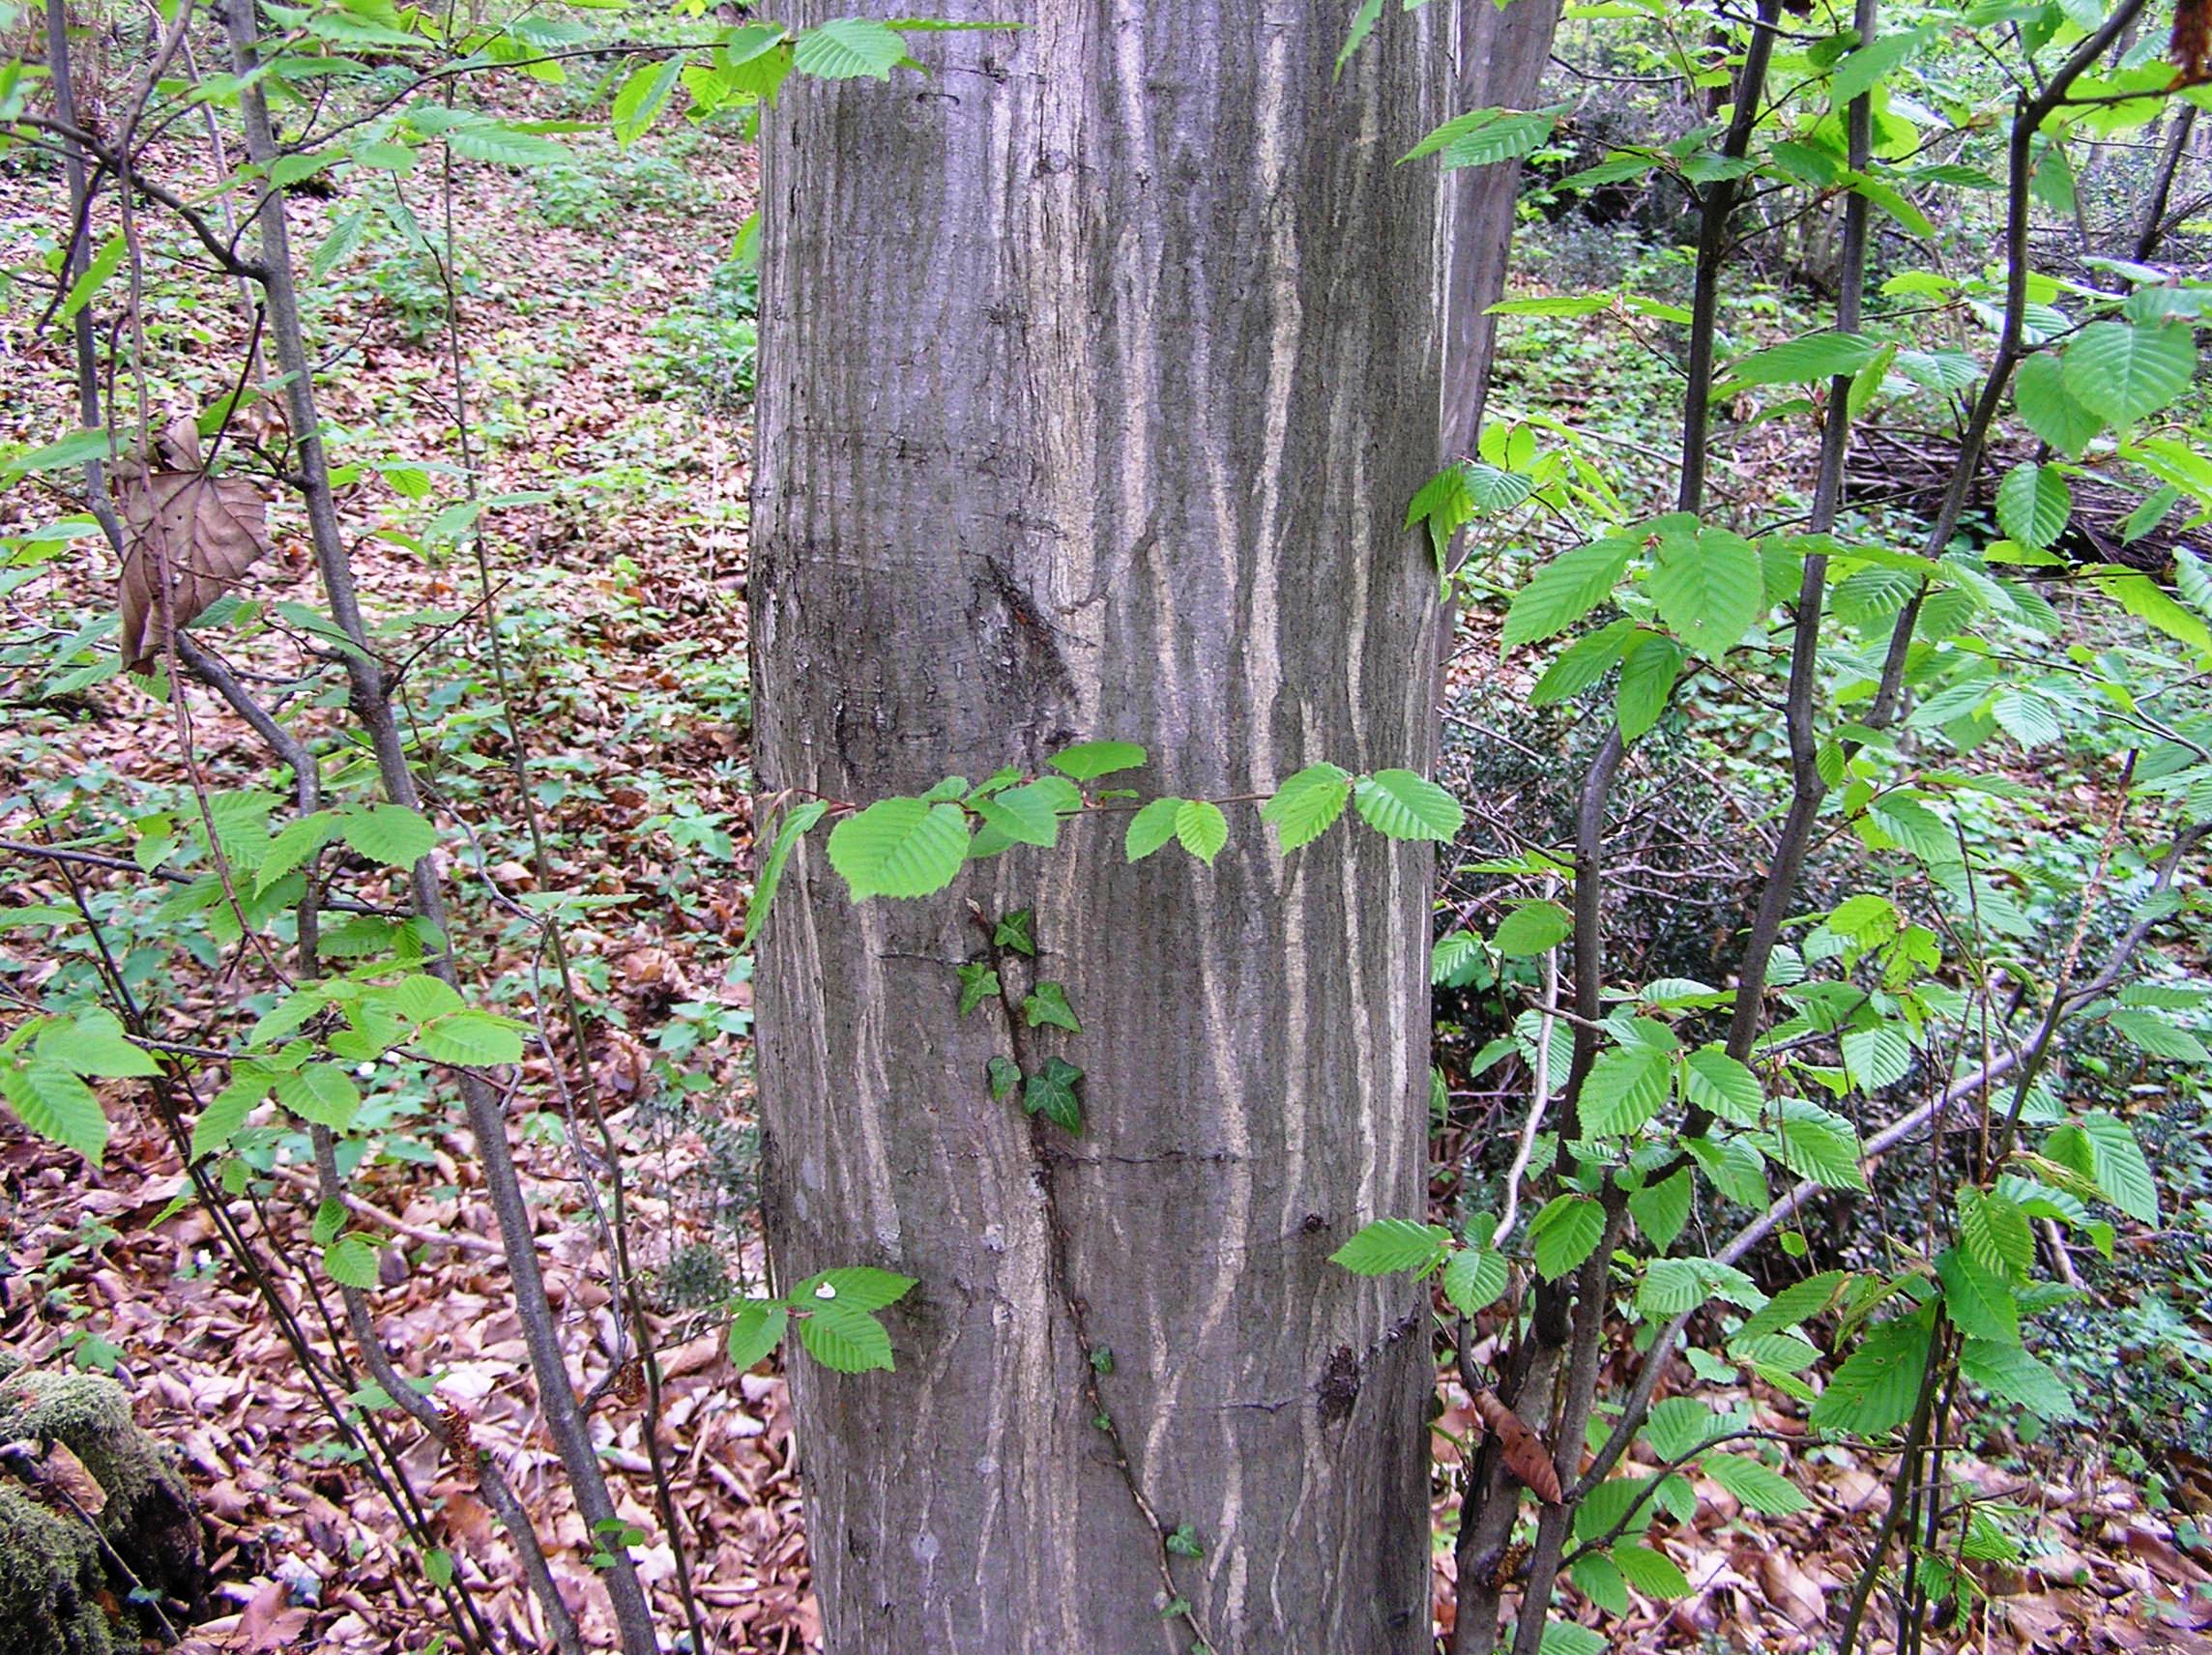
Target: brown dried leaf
(1524,1450)
(189,538)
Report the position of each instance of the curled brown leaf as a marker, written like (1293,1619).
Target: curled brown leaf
(189,538)
(1524,1450)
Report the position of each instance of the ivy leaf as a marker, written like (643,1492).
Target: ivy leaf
(845,1338)
(1202,828)
(1565,1234)
(899,847)
(2123,372)
(1002,1075)
(388,834)
(978,982)
(350,1261)
(1758,1487)
(1306,804)
(1049,1005)
(1475,1278)
(756,1329)
(1399,804)
(1050,1092)
(1532,928)
(1392,1244)
(1088,761)
(1016,931)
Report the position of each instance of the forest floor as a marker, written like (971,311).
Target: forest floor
(606,344)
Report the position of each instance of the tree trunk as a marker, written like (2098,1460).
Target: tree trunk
(1500,57)
(1098,369)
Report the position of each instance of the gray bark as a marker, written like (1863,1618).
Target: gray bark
(1500,56)
(1098,369)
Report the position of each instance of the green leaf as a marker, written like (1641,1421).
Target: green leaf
(1016,931)
(1049,1005)
(503,146)
(1815,1144)
(1806,361)
(1877,1057)
(756,1329)
(2123,372)
(1150,828)
(104,264)
(795,828)
(1651,1572)
(1532,928)
(2149,1033)
(1979,1300)
(1002,1075)
(1756,1485)
(322,1094)
(2027,717)
(978,982)
(2033,505)
(1399,804)
(340,245)
(899,847)
(1717,1084)
(2050,409)
(1200,828)
(225,1112)
(1600,1579)
(2009,1372)
(1306,804)
(1050,1092)
(1025,815)
(1709,588)
(1565,589)
(1481,138)
(350,1261)
(845,48)
(642,98)
(53,1104)
(1995,1234)
(1624,1089)
(1565,1638)
(1875,1389)
(1088,761)
(845,1338)
(473,1039)
(2117,1162)
(300,839)
(857,1285)
(1583,662)
(1363,23)
(1392,1244)
(1564,1233)
(1647,673)
(1859,72)
(1679,1426)
(1661,1210)
(1800,1301)
(1672,1286)
(389,834)
(93,1043)
(1475,1278)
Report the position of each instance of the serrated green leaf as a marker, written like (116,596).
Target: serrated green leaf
(1806,361)
(2149,1033)
(1532,928)
(1200,828)
(2009,1372)
(1679,1426)
(1623,1090)
(1979,1300)
(1565,589)
(859,1286)
(2123,372)
(55,1105)
(389,834)
(1663,1208)
(2117,1162)
(1798,1303)
(2050,409)
(1648,669)
(795,827)
(503,146)
(1391,1244)
(1473,1279)
(1815,1144)
(1758,1487)
(1875,1389)
(322,1094)
(1995,1234)
(1651,1572)
(350,1261)
(1400,804)
(899,847)
(1717,1084)
(1088,761)
(300,839)
(845,1338)
(1564,1233)
(474,1039)
(1150,828)
(756,1329)
(1877,1057)
(1708,585)
(93,1043)
(1306,804)
(845,48)
(2033,505)
(1583,662)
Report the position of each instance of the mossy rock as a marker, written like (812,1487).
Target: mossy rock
(150,1519)
(51,1582)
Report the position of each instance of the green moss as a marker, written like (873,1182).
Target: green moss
(51,1578)
(92,1416)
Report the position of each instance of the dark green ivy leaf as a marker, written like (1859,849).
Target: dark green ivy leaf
(978,982)
(1049,1005)
(1015,932)
(1003,1074)
(1050,1092)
